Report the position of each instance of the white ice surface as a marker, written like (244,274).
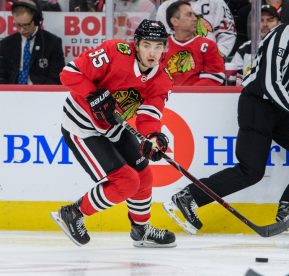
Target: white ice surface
(52,253)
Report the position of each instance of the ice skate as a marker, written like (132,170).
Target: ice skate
(70,220)
(149,236)
(283,211)
(184,202)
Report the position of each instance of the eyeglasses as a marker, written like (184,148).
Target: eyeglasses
(24,26)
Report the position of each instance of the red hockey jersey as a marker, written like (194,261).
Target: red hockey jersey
(113,66)
(195,62)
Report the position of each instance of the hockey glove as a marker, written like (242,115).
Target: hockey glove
(153,147)
(103,105)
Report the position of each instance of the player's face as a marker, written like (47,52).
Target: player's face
(24,24)
(149,53)
(268,22)
(186,19)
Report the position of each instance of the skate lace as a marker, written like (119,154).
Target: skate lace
(193,207)
(153,232)
(81,227)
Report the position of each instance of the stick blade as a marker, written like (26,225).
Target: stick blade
(272,229)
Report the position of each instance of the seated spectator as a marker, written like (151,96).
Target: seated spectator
(282,7)
(191,59)
(215,22)
(243,19)
(242,58)
(32,55)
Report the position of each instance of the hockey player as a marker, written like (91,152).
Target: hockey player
(263,116)
(215,21)
(127,78)
(191,59)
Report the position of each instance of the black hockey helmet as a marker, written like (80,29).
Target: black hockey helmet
(151,30)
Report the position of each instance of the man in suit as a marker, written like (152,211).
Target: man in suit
(32,55)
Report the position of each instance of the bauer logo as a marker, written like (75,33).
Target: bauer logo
(181,149)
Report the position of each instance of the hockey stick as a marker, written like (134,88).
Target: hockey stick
(264,231)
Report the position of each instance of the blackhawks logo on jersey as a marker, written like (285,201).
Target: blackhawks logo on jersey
(123,48)
(203,27)
(128,101)
(181,62)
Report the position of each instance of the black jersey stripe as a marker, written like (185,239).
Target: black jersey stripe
(101,199)
(68,101)
(72,118)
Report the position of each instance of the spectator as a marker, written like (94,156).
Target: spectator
(32,55)
(243,19)
(242,58)
(282,7)
(215,22)
(191,59)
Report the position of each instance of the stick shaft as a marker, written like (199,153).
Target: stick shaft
(264,231)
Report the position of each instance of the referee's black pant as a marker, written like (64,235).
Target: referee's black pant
(260,122)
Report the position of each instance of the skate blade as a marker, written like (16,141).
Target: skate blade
(149,244)
(55,216)
(172,211)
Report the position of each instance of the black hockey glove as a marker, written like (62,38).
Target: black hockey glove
(103,105)
(153,147)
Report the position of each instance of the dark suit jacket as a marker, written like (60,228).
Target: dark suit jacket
(47,59)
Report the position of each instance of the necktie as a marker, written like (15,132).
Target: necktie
(23,75)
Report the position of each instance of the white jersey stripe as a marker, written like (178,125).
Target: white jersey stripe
(91,201)
(140,200)
(104,197)
(140,212)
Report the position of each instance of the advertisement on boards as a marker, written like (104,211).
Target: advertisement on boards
(36,164)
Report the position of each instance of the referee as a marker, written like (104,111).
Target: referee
(263,116)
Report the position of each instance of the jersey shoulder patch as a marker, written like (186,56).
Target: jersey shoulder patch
(123,48)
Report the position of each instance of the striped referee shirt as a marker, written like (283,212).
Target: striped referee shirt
(269,76)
